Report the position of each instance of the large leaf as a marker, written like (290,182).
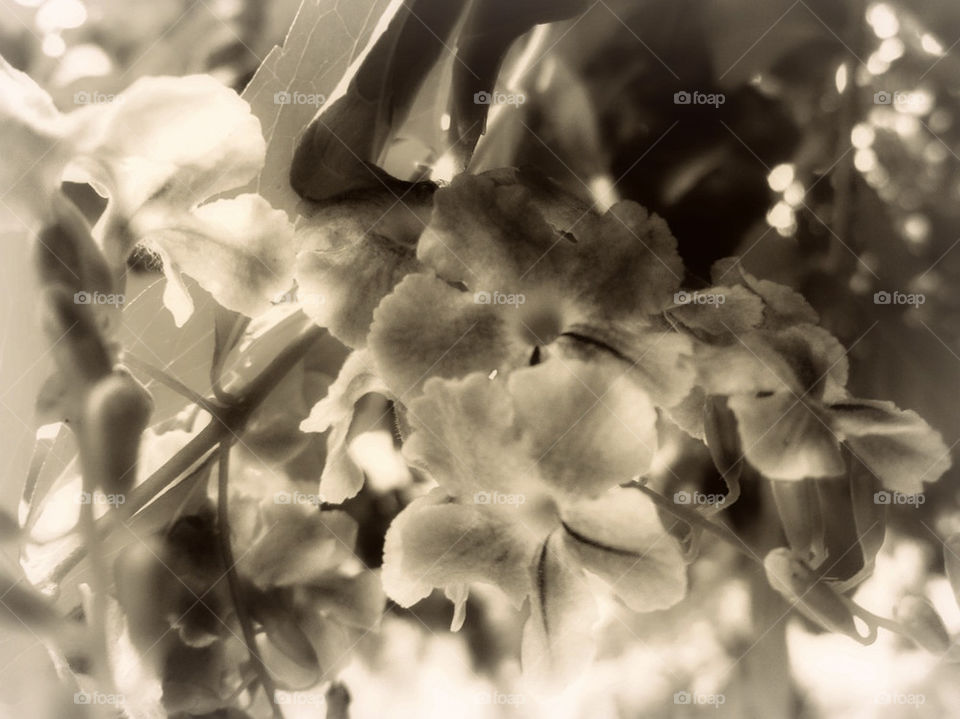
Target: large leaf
(339,150)
(490,30)
(318,49)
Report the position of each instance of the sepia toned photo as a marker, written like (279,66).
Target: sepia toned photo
(479,359)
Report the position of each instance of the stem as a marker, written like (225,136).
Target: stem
(233,581)
(695,519)
(159,375)
(98,587)
(226,423)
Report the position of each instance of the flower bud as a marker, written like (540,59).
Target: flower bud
(66,254)
(922,623)
(116,412)
(801,515)
(951,562)
(78,347)
(815,600)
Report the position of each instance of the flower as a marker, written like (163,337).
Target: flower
(785,382)
(163,152)
(528,469)
(511,263)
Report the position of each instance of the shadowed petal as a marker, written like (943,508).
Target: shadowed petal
(618,536)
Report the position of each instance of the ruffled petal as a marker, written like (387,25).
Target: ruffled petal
(434,543)
(353,252)
(627,263)
(618,536)
(783,306)
(487,232)
(240,250)
(817,359)
(590,426)
(511,231)
(32,131)
(660,362)
(465,437)
(426,328)
(325,540)
(174,140)
(342,478)
(897,445)
(785,438)
(718,310)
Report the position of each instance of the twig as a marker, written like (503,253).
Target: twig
(695,519)
(164,378)
(233,581)
(226,422)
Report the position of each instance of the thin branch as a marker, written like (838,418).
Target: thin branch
(226,422)
(164,378)
(233,581)
(695,519)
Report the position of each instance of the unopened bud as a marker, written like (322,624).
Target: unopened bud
(922,623)
(116,411)
(78,347)
(951,562)
(816,600)
(66,255)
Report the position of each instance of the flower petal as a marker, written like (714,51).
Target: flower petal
(240,250)
(660,362)
(176,140)
(558,639)
(618,536)
(324,539)
(353,252)
(896,445)
(589,424)
(32,131)
(426,328)
(434,543)
(487,232)
(631,261)
(784,306)
(466,439)
(785,438)
(731,310)
(514,231)
(342,478)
